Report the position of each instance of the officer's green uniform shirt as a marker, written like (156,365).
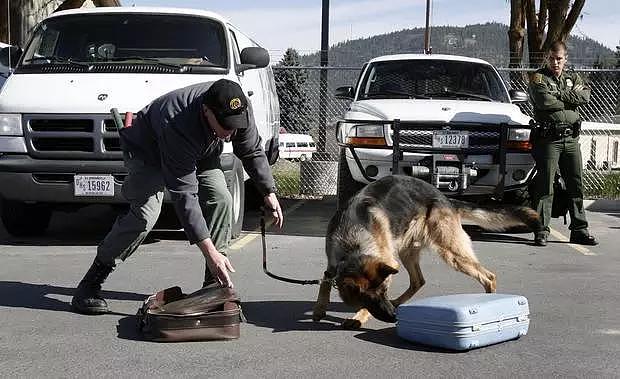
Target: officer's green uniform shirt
(554,98)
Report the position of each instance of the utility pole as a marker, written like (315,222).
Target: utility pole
(321,142)
(427,31)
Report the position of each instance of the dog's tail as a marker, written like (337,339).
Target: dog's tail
(498,217)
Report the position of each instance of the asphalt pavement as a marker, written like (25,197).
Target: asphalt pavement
(573,292)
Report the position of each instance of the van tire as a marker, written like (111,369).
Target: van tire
(303,158)
(237,191)
(346,186)
(25,220)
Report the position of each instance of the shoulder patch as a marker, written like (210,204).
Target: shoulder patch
(537,78)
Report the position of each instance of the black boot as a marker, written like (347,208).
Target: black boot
(86,299)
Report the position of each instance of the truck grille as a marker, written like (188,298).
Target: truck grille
(88,137)
(423,139)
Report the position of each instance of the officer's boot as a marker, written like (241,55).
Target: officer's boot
(87,299)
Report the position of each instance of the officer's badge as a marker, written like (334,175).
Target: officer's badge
(235,103)
(569,82)
(537,78)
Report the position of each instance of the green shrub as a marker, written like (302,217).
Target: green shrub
(599,185)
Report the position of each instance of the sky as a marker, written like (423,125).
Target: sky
(280,24)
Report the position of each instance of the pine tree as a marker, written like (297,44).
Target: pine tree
(290,82)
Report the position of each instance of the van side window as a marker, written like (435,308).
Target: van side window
(235,47)
(290,144)
(302,144)
(312,144)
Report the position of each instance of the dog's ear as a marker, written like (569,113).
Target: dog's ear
(377,271)
(385,270)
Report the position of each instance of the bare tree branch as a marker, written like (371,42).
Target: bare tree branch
(516,32)
(542,17)
(572,18)
(70,4)
(107,3)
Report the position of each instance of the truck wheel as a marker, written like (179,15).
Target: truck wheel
(346,186)
(237,190)
(25,220)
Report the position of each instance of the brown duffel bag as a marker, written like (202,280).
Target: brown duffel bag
(211,313)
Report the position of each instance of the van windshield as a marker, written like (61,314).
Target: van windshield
(120,41)
(432,79)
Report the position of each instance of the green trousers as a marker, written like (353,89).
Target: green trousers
(144,189)
(564,153)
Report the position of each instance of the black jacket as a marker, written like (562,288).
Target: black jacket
(170,133)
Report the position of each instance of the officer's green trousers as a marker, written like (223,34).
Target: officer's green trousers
(144,189)
(564,153)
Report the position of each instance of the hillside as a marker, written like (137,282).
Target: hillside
(487,41)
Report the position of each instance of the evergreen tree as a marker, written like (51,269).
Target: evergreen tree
(290,82)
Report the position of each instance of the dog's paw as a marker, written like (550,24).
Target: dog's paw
(351,323)
(318,314)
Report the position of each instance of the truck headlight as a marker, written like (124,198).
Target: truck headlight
(362,134)
(519,139)
(519,134)
(11,124)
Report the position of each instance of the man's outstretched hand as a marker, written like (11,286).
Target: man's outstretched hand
(272,205)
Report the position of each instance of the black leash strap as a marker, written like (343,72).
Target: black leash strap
(277,277)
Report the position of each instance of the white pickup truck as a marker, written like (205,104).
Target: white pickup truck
(449,120)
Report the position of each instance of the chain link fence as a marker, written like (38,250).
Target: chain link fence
(309,108)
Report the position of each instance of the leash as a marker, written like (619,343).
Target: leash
(277,277)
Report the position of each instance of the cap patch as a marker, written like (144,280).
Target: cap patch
(235,103)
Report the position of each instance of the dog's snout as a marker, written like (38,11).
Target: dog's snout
(382,309)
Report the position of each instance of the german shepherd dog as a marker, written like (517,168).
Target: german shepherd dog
(398,216)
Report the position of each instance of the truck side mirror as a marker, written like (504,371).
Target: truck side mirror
(517,96)
(253,57)
(344,92)
(14,52)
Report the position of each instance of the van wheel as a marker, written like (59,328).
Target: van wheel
(303,158)
(237,191)
(346,186)
(25,220)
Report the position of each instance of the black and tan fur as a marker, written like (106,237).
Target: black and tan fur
(395,218)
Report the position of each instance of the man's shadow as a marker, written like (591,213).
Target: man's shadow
(35,296)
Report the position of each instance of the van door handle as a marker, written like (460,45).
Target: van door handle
(250,93)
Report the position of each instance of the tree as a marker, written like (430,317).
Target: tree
(553,21)
(25,14)
(290,81)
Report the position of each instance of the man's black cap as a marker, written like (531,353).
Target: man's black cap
(227,101)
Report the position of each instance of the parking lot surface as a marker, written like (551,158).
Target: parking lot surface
(573,291)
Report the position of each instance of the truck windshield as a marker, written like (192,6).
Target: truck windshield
(430,79)
(119,38)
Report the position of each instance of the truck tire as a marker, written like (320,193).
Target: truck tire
(237,191)
(25,220)
(346,186)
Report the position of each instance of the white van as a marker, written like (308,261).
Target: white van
(55,121)
(296,146)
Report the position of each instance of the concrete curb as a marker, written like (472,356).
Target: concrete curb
(602,205)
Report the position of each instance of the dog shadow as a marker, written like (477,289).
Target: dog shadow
(37,296)
(286,316)
(388,337)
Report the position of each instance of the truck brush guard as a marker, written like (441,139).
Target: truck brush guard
(448,143)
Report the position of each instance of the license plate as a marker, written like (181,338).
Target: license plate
(451,139)
(93,185)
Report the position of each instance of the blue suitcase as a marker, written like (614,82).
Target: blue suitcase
(465,321)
